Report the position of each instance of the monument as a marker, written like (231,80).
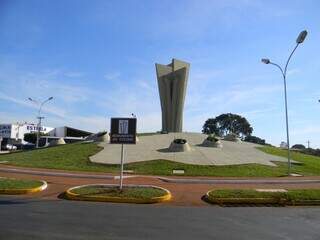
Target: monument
(172,82)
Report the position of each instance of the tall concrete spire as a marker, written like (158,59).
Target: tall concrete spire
(172,82)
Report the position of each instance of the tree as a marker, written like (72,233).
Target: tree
(298,146)
(254,139)
(32,137)
(227,123)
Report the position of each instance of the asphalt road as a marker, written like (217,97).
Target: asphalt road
(60,219)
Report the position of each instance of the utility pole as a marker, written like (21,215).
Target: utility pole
(39,116)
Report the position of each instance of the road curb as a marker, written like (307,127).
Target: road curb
(73,196)
(26,190)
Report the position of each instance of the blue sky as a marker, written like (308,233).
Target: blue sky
(96,58)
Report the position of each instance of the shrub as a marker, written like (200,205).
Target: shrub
(180,141)
(32,137)
(212,138)
(254,139)
(298,146)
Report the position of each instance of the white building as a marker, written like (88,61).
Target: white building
(15,132)
(283,145)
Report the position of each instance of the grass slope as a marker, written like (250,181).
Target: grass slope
(310,165)
(66,157)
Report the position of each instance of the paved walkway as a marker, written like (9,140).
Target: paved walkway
(156,147)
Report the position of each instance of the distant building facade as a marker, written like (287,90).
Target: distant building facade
(283,145)
(14,132)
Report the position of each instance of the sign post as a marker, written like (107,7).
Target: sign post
(121,170)
(123,131)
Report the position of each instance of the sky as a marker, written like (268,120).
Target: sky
(96,59)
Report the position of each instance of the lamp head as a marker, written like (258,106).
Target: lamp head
(301,37)
(30,99)
(50,98)
(265,60)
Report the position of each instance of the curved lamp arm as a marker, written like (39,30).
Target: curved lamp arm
(278,66)
(50,98)
(286,67)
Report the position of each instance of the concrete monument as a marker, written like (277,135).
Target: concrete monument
(172,82)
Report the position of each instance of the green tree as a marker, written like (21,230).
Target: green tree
(32,137)
(298,146)
(255,139)
(227,123)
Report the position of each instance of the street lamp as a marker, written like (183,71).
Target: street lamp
(39,116)
(299,40)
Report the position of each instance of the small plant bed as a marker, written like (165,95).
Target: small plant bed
(212,141)
(112,193)
(18,186)
(252,196)
(212,138)
(180,141)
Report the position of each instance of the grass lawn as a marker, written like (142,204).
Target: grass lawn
(127,192)
(243,193)
(310,165)
(10,183)
(76,157)
(66,157)
(291,195)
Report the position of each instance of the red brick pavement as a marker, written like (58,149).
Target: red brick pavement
(184,194)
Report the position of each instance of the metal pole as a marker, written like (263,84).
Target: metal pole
(287,124)
(284,74)
(38,132)
(121,172)
(286,105)
(39,116)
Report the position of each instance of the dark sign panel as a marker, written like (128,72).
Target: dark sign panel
(123,130)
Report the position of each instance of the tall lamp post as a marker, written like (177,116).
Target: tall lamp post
(39,116)
(299,40)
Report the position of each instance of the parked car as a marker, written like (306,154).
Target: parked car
(11,147)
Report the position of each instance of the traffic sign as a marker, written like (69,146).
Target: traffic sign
(123,130)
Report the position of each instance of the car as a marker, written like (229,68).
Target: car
(11,147)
